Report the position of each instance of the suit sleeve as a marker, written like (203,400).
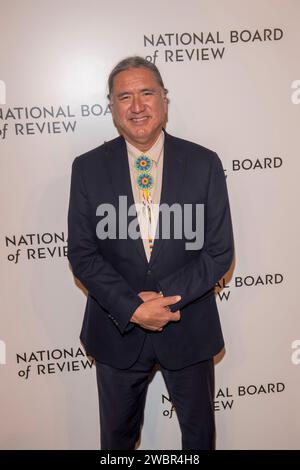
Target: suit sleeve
(99,277)
(202,273)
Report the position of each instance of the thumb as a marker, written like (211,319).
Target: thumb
(176,315)
(170,300)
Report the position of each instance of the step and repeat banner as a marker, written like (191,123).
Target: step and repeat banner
(232,70)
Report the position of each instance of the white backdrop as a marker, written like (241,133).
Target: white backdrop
(238,93)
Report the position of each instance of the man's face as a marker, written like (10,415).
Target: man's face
(139,106)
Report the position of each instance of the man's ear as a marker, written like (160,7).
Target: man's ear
(165,97)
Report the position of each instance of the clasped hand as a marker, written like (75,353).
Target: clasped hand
(155,312)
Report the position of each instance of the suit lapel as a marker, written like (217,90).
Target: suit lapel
(172,183)
(120,179)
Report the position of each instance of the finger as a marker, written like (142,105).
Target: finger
(155,295)
(148,327)
(149,297)
(176,316)
(164,301)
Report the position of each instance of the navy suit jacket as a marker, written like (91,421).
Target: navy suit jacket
(114,271)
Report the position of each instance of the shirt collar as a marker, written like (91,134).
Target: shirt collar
(153,153)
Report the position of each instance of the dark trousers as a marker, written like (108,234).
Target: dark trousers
(122,396)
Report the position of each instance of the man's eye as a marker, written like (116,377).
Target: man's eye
(147,93)
(123,98)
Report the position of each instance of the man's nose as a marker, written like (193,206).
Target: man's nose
(137,104)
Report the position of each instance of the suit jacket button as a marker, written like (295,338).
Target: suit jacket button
(149,272)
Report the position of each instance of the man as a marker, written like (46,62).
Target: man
(150,298)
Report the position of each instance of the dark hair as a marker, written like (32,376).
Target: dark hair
(134,62)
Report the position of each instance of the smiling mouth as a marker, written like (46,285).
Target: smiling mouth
(138,120)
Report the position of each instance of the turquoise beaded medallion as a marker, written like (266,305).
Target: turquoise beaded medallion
(143,164)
